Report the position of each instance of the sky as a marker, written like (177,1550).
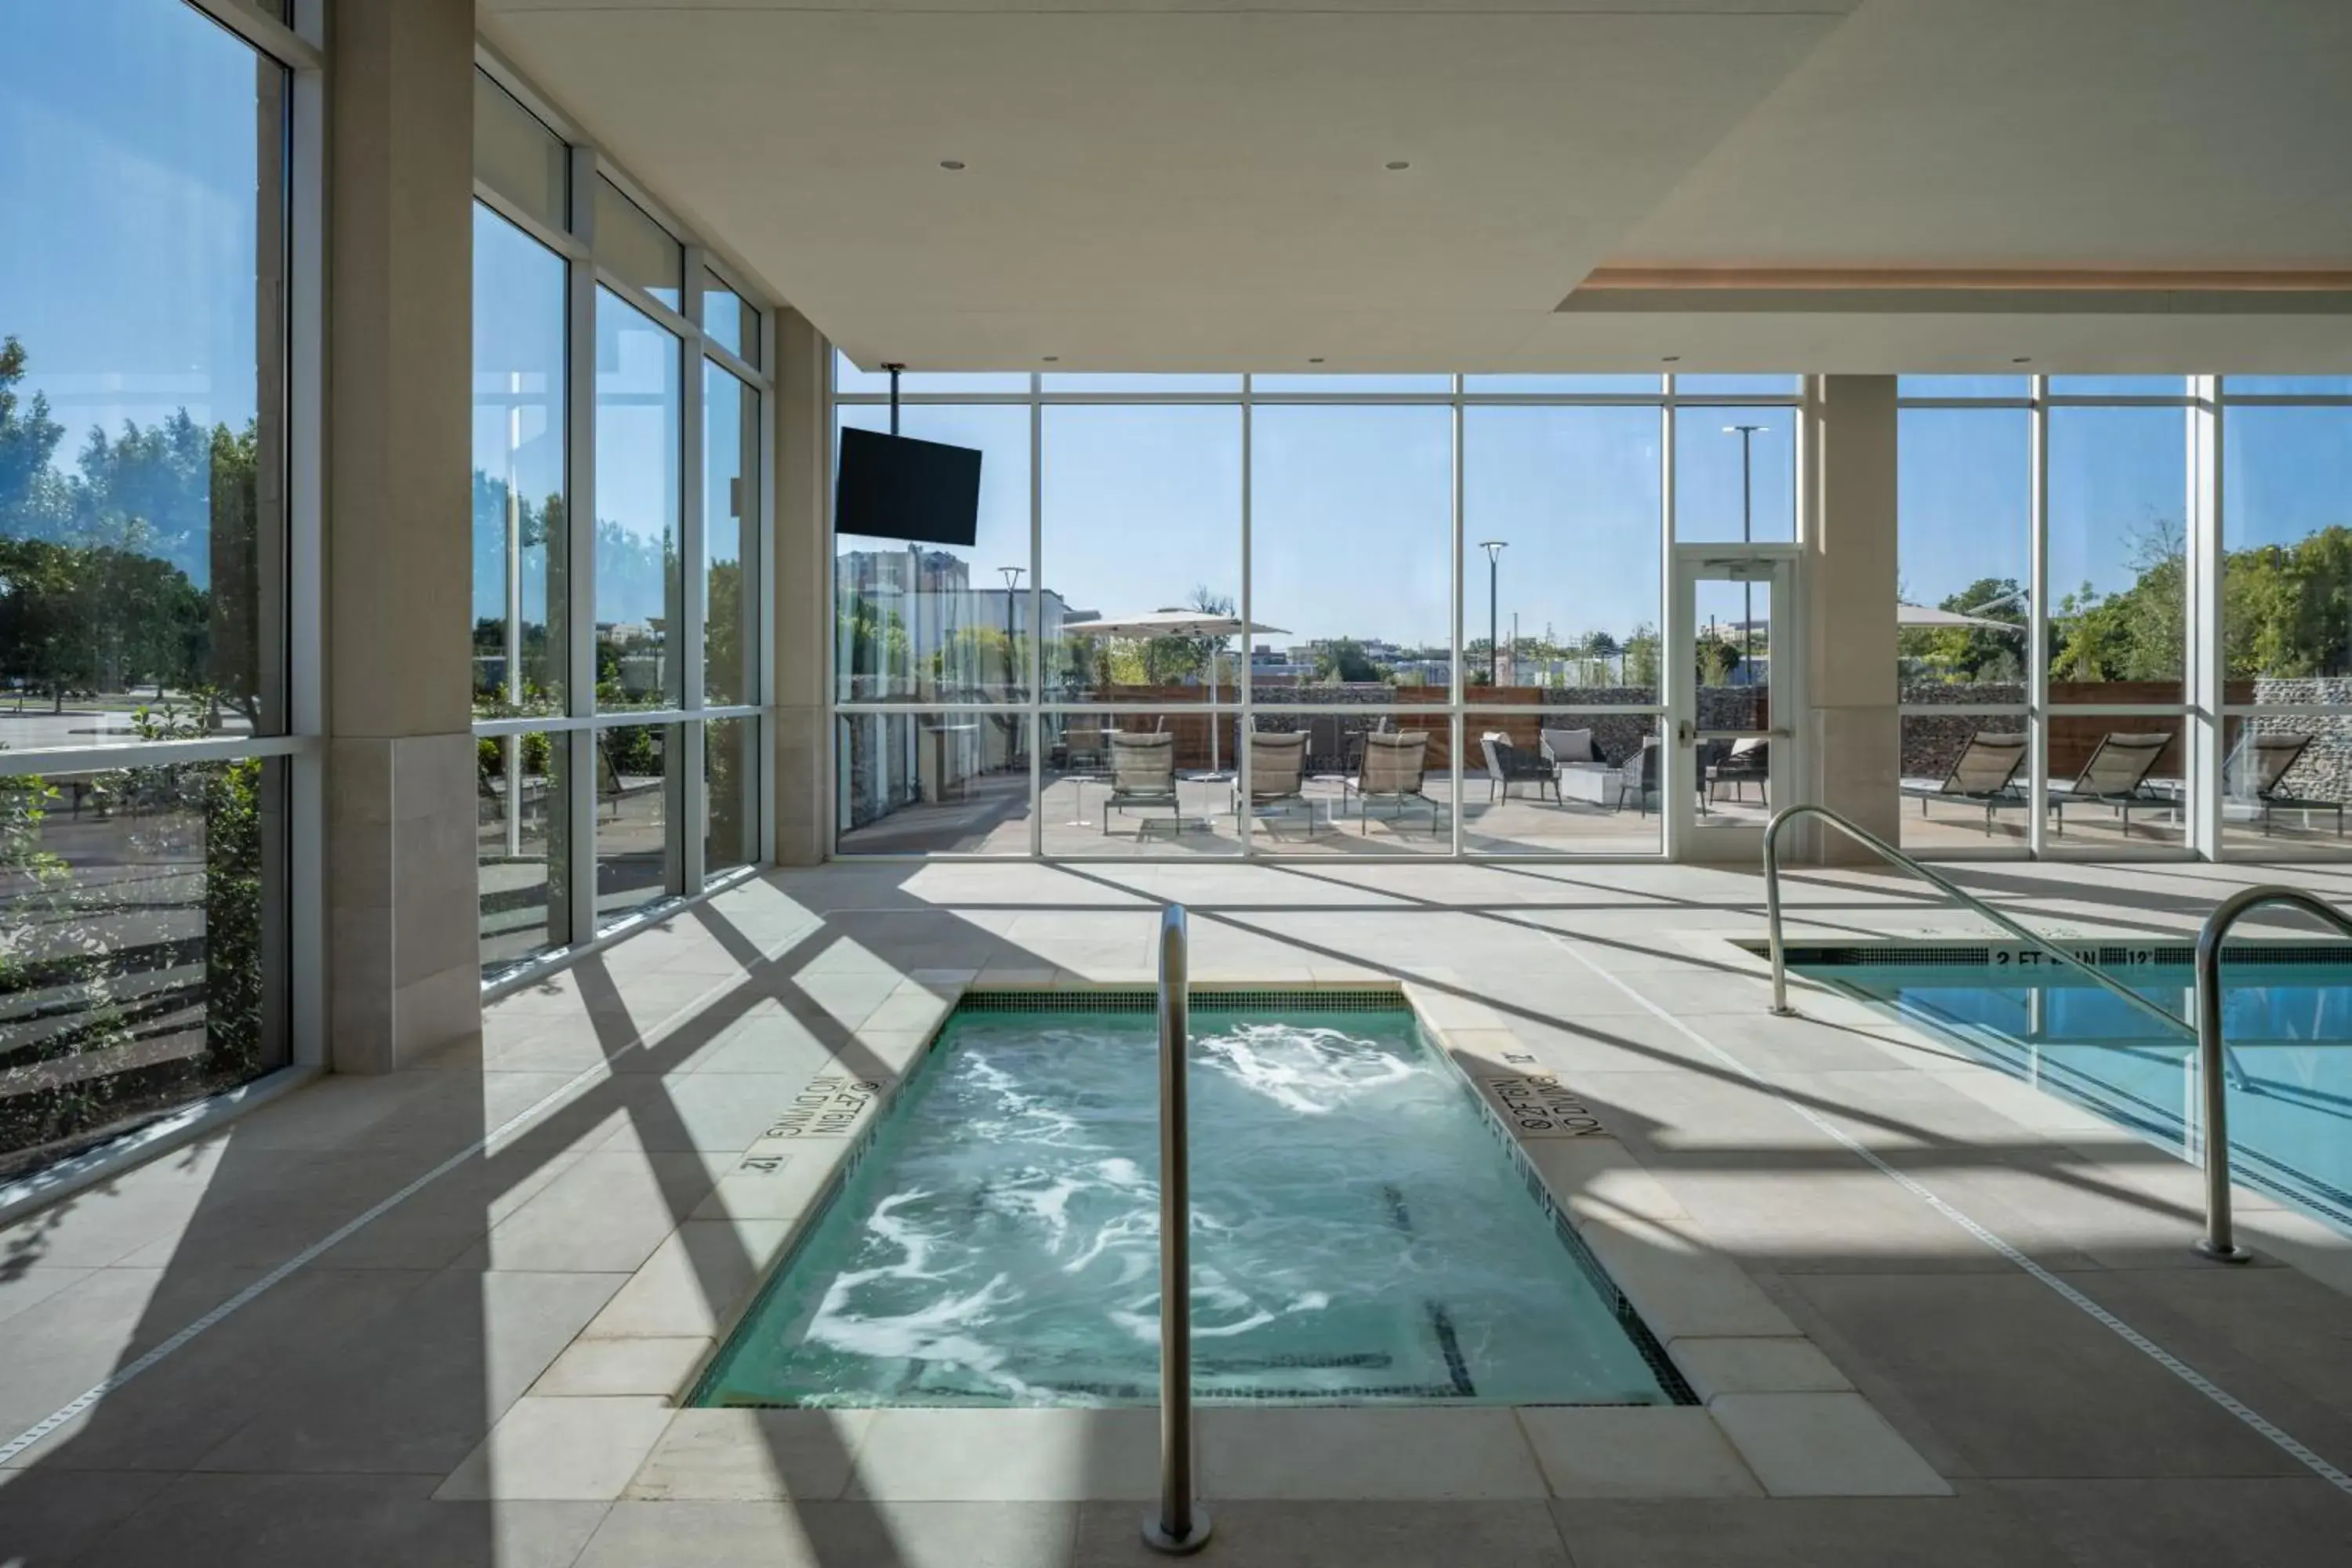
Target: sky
(127,148)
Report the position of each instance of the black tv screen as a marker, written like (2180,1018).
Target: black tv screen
(895,486)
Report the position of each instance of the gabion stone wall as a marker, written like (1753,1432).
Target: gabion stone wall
(1932,743)
(2324,772)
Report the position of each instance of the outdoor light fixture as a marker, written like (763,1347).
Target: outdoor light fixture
(1494,548)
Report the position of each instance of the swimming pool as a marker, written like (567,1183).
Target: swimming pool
(2287,1021)
(1363,1234)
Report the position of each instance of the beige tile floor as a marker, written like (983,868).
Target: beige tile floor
(481,1372)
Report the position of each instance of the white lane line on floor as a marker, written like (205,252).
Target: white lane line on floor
(2255,1419)
(311,1253)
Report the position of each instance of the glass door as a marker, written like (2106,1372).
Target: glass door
(1733,713)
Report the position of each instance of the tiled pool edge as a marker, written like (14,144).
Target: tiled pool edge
(1773,1415)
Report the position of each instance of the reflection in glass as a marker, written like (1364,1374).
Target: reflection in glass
(917,783)
(730,834)
(140,969)
(636,508)
(1572,497)
(142,466)
(1143,517)
(518,156)
(522,844)
(1964,482)
(1734,475)
(1567,780)
(633,246)
(518,456)
(633,818)
(926,622)
(1351,529)
(2118,567)
(730,511)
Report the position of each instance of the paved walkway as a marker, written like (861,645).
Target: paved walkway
(460,1298)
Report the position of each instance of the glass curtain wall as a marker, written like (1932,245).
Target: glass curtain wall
(144,738)
(2168,524)
(618,524)
(2285,614)
(1213,616)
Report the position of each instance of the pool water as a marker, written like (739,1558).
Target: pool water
(1361,1235)
(2288,1029)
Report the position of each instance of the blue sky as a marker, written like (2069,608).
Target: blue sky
(128,128)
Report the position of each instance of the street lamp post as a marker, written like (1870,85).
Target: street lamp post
(1011,575)
(1747,536)
(1494,548)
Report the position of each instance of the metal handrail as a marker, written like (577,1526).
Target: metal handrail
(2217,1243)
(1893,856)
(1181,1526)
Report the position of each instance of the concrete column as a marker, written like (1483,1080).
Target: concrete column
(801,770)
(1854,734)
(402,950)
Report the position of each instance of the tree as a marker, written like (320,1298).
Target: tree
(1717,661)
(1343,659)
(1640,654)
(2138,633)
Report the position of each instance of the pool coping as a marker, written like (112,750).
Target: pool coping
(1773,1415)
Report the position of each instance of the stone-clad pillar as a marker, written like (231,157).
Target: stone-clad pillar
(801,574)
(403,953)
(1854,731)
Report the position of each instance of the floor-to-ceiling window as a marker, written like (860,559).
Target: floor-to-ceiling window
(2131,530)
(2285,614)
(619,513)
(1287,614)
(146,732)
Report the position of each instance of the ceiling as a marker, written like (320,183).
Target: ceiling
(1593,184)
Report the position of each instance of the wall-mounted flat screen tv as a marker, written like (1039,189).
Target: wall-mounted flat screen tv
(895,486)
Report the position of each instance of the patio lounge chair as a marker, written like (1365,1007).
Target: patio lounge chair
(1507,765)
(1748,762)
(1142,773)
(1985,774)
(2115,775)
(1277,774)
(2259,766)
(1392,772)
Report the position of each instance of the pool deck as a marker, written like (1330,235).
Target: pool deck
(1903,1281)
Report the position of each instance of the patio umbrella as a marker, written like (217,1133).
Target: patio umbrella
(1921,616)
(1214,624)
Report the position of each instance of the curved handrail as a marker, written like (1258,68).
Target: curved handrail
(2217,1243)
(1893,856)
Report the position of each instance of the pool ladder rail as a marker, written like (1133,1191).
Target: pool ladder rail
(1182,1525)
(2217,1243)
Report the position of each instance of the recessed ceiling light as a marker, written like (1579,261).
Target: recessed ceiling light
(950,164)
(2022,359)
(1053,359)
(1672,359)
(1400,163)
(1316,360)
